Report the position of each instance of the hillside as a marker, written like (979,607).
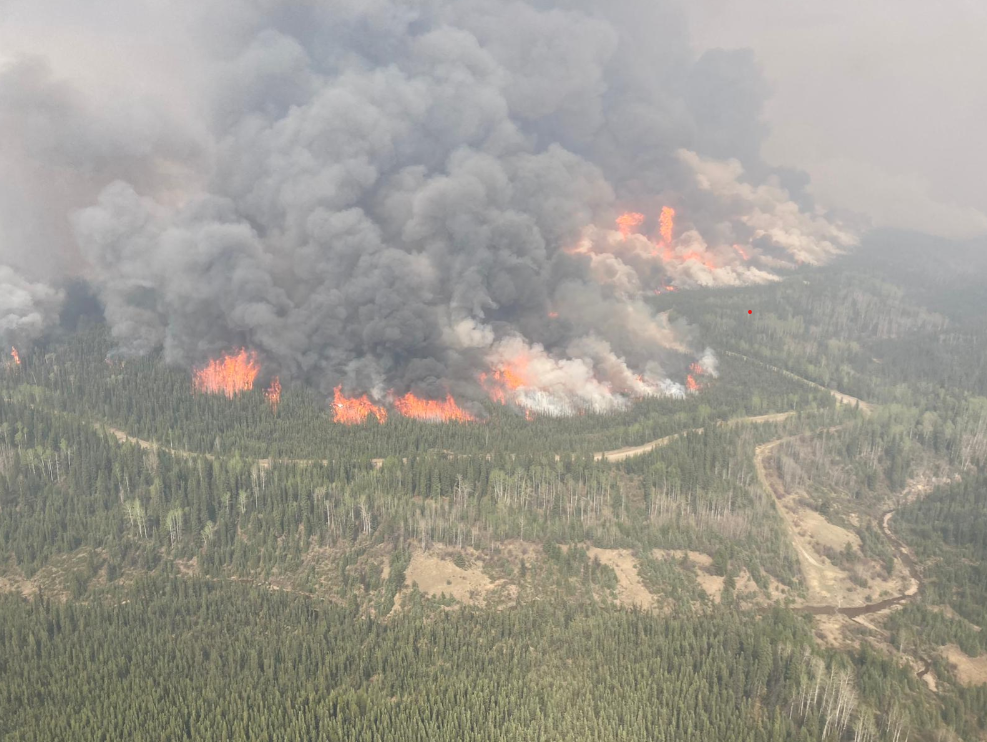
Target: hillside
(818,555)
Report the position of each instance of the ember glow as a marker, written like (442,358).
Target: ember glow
(15,355)
(506,379)
(354,410)
(431,410)
(741,252)
(273,393)
(699,257)
(705,366)
(229,375)
(629,222)
(666,224)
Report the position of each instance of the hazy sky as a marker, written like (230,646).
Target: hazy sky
(883,102)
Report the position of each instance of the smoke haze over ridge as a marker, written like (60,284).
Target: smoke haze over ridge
(401,195)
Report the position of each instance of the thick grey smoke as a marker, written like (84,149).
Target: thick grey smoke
(26,308)
(398,195)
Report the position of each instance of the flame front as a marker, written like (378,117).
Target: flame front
(432,410)
(629,222)
(666,224)
(506,379)
(15,355)
(228,375)
(354,410)
(692,380)
(273,393)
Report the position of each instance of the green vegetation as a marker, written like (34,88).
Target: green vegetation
(251,575)
(154,402)
(190,659)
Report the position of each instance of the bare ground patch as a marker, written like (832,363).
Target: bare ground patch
(436,575)
(18,584)
(969,670)
(630,589)
(812,535)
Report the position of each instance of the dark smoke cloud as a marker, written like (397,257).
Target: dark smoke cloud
(390,194)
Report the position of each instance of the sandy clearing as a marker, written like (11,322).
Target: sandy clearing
(969,670)
(630,589)
(435,575)
(811,533)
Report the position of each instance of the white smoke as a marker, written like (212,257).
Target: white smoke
(589,378)
(390,195)
(26,307)
(708,363)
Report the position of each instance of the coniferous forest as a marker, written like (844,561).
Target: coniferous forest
(782,564)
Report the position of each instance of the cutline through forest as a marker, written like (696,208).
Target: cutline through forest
(620,454)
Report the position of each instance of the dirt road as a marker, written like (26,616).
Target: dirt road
(866,407)
(619,454)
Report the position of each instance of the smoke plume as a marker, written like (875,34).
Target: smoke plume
(26,308)
(416,197)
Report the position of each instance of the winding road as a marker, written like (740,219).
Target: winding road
(762,457)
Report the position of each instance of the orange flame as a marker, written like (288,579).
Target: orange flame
(697,369)
(693,255)
(15,355)
(742,252)
(666,224)
(691,383)
(431,410)
(273,393)
(628,222)
(229,375)
(506,378)
(354,410)
(553,315)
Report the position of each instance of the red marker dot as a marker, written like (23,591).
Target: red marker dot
(750,311)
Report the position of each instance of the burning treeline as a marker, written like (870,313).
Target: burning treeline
(425,205)
(520,374)
(235,373)
(512,383)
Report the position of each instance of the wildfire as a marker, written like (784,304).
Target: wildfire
(693,255)
(507,378)
(629,222)
(431,410)
(742,252)
(354,410)
(692,380)
(666,224)
(15,355)
(273,393)
(228,375)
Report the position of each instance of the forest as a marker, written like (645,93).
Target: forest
(177,565)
